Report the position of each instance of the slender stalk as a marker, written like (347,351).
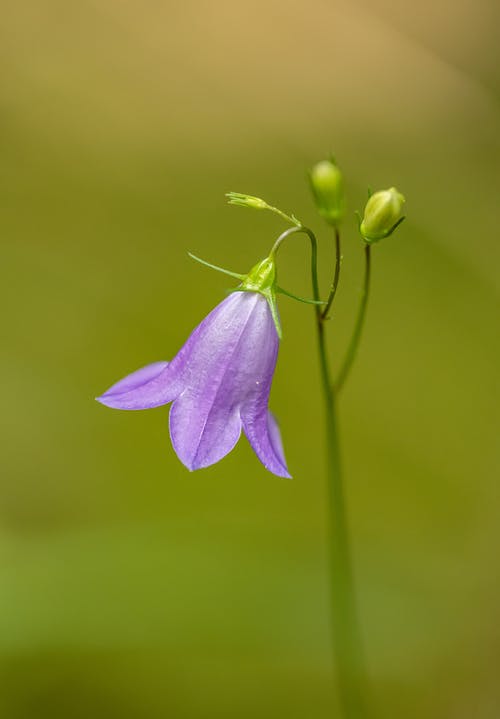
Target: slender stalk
(347,646)
(336,275)
(345,625)
(358,327)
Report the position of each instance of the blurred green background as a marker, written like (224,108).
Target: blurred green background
(131,588)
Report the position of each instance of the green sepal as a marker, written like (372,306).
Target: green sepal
(397,224)
(262,279)
(271,301)
(282,291)
(371,241)
(215,267)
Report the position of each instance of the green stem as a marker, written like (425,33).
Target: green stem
(346,631)
(289,218)
(347,645)
(358,327)
(336,275)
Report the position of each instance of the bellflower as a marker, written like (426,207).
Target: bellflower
(220,380)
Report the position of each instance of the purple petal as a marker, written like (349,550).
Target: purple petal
(136,379)
(264,436)
(143,389)
(275,437)
(160,382)
(198,448)
(227,367)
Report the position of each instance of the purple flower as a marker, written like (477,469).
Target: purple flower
(219,383)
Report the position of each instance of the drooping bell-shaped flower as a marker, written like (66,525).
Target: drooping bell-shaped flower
(219,382)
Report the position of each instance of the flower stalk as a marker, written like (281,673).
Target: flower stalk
(346,632)
(336,275)
(358,327)
(346,635)
(347,645)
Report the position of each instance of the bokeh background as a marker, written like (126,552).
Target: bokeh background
(131,588)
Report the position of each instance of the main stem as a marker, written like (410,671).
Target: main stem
(345,626)
(347,644)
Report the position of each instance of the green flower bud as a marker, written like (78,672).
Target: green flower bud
(239,198)
(327,185)
(382,215)
(256,203)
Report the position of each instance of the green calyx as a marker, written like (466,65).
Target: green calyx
(262,278)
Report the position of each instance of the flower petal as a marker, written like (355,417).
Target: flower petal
(259,424)
(160,382)
(137,378)
(275,437)
(229,366)
(205,420)
(147,387)
(263,434)
(218,437)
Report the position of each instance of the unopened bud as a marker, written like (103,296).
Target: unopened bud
(256,203)
(382,215)
(238,198)
(327,185)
